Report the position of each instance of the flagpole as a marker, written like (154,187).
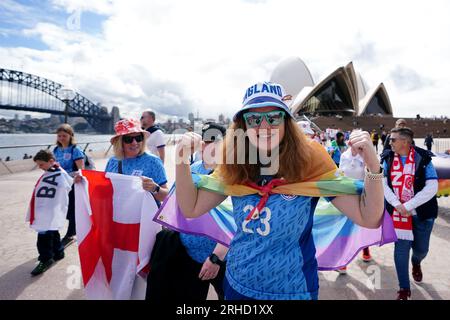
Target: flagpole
(312,124)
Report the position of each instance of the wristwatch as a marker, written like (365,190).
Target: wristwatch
(215,259)
(156,189)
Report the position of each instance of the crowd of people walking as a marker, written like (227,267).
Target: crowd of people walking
(272,255)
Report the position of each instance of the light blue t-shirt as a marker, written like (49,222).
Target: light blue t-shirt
(198,247)
(430,171)
(146,165)
(273,257)
(67,156)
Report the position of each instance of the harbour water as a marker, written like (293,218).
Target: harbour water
(99,142)
(21,139)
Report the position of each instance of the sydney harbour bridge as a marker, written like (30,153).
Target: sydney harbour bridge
(27,92)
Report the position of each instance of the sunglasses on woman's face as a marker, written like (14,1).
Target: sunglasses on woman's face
(129,139)
(273,118)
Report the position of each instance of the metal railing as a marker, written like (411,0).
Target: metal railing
(441,145)
(48,146)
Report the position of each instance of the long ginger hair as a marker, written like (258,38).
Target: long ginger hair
(294,155)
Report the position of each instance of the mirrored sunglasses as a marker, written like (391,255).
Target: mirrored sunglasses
(273,118)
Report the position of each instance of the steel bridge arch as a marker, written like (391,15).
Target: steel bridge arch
(80,106)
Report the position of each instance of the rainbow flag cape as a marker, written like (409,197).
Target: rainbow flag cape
(337,238)
(218,224)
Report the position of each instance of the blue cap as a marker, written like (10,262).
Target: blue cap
(265,94)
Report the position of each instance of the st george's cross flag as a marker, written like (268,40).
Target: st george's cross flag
(115,233)
(49,201)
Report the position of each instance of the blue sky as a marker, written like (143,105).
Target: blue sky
(180,56)
(15,16)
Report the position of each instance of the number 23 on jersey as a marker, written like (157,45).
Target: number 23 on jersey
(265,230)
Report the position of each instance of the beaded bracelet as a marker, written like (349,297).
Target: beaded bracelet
(374,176)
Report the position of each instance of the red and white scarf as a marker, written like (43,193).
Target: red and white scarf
(402,177)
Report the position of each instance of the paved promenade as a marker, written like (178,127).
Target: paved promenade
(375,280)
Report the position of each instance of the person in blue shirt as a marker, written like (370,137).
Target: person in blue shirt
(337,148)
(71,158)
(423,206)
(184,265)
(130,158)
(272,255)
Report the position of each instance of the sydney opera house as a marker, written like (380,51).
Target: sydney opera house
(342,92)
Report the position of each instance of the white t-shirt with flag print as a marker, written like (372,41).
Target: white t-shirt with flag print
(49,202)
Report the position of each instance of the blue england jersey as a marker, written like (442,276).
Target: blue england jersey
(273,257)
(146,165)
(67,156)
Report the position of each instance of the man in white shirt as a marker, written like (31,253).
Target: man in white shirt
(157,141)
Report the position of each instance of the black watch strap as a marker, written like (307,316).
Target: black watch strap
(157,188)
(215,259)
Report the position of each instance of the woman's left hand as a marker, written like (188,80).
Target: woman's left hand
(361,144)
(209,270)
(148,184)
(77,178)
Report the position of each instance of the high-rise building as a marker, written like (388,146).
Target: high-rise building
(191,118)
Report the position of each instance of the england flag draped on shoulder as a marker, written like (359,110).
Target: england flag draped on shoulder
(115,234)
(49,201)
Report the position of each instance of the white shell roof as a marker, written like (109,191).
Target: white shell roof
(363,103)
(293,74)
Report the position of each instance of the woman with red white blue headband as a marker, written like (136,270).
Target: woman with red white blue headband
(275,176)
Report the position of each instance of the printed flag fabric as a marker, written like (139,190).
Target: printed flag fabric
(49,201)
(218,224)
(443,188)
(442,165)
(115,233)
(337,238)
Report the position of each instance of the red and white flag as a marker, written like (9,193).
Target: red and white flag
(115,232)
(49,201)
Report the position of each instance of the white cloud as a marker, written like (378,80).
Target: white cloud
(180,56)
(97,6)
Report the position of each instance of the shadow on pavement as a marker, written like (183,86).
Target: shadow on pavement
(440,230)
(77,294)
(355,287)
(15,281)
(429,288)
